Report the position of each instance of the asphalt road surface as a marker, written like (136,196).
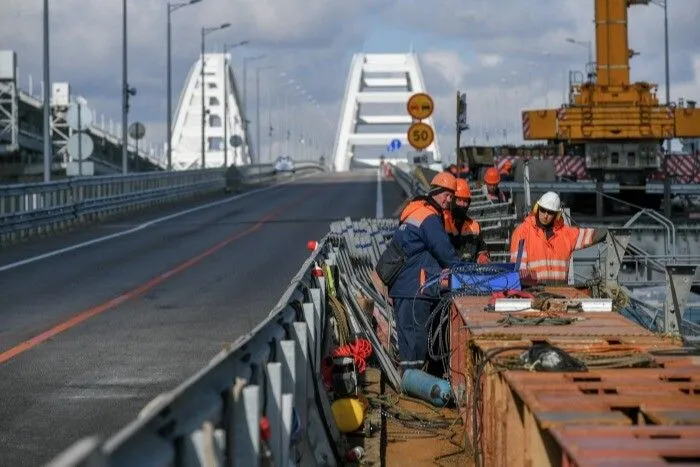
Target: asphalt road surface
(91,334)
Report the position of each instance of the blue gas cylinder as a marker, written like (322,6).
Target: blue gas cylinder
(426,387)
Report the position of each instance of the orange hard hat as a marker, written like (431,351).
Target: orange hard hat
(507,165)
(444,180)
(463,190)
(492,177)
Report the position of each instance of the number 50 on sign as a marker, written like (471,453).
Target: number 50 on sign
(420,135)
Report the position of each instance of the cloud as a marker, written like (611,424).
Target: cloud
(506,57)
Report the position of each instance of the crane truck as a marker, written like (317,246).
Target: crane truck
(618,126)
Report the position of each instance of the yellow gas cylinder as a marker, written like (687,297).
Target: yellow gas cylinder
(349,414)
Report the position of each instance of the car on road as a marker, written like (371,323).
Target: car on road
(284,164)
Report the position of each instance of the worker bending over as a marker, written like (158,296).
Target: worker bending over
(548,242)
(492,191)
(465,232)
(426,246)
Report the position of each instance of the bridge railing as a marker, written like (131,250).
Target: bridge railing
(36,208)
(269,377)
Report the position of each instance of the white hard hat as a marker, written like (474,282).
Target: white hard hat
(550,201)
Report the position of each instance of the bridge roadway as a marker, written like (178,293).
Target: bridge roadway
(90,335)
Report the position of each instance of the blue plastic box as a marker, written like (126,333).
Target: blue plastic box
(508,279)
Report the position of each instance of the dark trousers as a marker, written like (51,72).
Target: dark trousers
(412,330)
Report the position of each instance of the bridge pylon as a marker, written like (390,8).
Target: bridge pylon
(187,126)
(378,80)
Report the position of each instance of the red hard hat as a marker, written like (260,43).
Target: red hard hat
(492,177)
(463,190)
(444,180)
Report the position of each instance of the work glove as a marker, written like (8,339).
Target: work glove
(599,235)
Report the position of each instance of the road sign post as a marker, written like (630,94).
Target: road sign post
(79,146)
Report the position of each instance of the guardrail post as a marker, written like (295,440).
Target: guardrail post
(287,408)
(319,320)
(301,364)
(287,353)
(247,427)
(202,446)
(274,408)
(311,322)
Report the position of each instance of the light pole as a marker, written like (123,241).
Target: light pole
(127,92)
(245,97)
(171,8)
(667,68)
(284,137)
(667,179)
(257,109)
(125,95)
(202,86)
(226,49)
(48,153)
(589,45)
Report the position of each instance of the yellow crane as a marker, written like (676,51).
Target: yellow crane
(618,125)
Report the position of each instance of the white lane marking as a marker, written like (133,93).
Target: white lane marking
(380,195)
(138,228)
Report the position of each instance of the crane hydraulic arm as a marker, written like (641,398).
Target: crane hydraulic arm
(620,124)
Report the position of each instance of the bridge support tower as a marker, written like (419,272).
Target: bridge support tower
(187,128)
(374,109)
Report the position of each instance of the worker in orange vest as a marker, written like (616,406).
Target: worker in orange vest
(548,243)
(465,232)
(491,180)
(425,245)
(507,171)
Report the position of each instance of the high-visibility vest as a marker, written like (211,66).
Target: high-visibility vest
(547,259)
(470,228)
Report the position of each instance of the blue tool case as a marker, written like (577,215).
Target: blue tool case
(485,278)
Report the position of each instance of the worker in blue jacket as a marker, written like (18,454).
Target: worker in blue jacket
(422,236)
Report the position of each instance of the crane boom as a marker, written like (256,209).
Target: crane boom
(612,48)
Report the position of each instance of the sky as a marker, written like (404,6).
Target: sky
(507,55)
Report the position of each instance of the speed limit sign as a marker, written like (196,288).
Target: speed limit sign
(420,135)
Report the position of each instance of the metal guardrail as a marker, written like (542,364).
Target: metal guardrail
(584,186)
(32,208)
(272,372)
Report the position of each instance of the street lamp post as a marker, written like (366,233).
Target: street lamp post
(257,110)
(226,49)
(202,87)
(48,153)
(245,96)
(667,69)
(125,94)
(667,179)
(257,114)
(171,8)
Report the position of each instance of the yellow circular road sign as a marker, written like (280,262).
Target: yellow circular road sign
(420,135)
(420,106)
